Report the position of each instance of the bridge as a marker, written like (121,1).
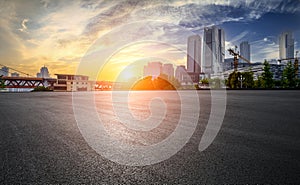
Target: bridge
(26,82)
(62,83)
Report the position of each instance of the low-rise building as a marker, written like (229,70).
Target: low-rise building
(258,69)
(14,74)
(69,82)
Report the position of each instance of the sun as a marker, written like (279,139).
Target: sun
(126,74)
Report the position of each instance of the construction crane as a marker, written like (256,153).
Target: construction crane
(236,57)
(296,63)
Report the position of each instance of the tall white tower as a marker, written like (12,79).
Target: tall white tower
(194,54)
(213,50)
(286,45)
(245,50)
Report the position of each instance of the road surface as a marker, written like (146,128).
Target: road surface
(259,142)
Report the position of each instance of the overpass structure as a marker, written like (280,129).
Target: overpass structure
(26,82)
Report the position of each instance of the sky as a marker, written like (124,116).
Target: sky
(102,38)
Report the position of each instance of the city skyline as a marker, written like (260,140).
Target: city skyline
(48,32)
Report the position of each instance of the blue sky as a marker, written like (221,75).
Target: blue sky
(58,33)
(264,32)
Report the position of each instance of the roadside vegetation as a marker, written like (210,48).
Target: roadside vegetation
(41,88)
(244,80)
(2,85)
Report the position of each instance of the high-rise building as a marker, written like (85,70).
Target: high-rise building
(194,57)
(168,70)
(213,50)
(4,71)
(286,45)
(44,73)
(194,54)
(153,69)
(181,74)
(245,51)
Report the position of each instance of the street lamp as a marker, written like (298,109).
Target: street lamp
(241,79)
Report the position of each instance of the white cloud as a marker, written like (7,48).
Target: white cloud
(239,37)
(24,27)
(264,49)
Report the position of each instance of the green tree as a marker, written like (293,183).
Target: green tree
(233,80)
(2,84)
(297,83)
(267,76)
(289,77)
(240,80)
(42,88)
(205,81)
(216,83)
(259,82)
(248,81)
(277,83)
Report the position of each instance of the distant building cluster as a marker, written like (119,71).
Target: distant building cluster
(210,61)
(203,62)
(155,69)
(4,71)
(213,58)
(207,61)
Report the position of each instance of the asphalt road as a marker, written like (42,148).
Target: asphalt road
(259,142)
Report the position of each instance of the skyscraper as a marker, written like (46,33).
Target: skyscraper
(245,50)
(181,74)
(286,45)
(153,69)
(4,71)
(194,54)
(213,50)
(168,70)
(44,73)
